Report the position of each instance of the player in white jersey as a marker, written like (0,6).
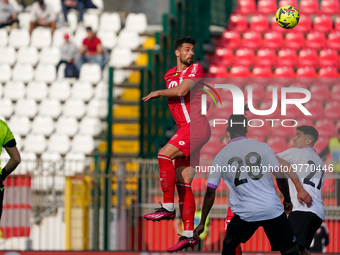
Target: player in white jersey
(311,171)
(246,166)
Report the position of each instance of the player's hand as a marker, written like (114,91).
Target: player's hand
(153,94)
(288,207)
(304,197)
(198,230)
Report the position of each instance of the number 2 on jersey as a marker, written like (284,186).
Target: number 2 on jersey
(307,179)
(257,164)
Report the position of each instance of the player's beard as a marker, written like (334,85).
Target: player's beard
(187,61)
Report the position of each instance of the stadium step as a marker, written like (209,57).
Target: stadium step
(125,129)
(134,77)
(131,94)
(126,111)
(123,147)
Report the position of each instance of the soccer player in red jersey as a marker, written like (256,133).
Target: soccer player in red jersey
(184,100)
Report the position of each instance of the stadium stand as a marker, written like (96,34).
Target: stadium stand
(42,102)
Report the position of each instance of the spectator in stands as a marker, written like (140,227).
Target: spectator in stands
(8,15)
(42,14)
(91,51)
(78,5)
(68,52)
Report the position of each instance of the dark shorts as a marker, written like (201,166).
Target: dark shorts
(305,225)
(278,231)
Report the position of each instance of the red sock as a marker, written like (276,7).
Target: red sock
(167,175)
(186,204)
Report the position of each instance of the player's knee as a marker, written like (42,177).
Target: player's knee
(229,241)
(291,251)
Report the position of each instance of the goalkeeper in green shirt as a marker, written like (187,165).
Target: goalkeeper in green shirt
(8,142)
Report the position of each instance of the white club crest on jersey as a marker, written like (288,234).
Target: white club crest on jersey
(181,142)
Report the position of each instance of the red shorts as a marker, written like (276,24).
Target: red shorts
(189,140)
(230,215)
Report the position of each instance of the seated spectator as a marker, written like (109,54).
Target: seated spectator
(8,15)
(91,51)
(42,14)
(78,5)
(68,52)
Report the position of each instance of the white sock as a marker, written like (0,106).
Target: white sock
(169,206)
(188,233)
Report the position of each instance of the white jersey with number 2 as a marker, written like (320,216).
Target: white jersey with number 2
(252,191)
(311,171)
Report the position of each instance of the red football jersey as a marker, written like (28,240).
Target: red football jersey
(180,106)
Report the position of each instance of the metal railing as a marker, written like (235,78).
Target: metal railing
(60,206)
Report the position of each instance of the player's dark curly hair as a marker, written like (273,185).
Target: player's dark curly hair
(179,42)
(309,130)
(238,124)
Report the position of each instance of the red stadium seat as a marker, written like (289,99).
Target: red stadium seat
(259,23)
(323,23)
(335,92)
(337,23)
(305,24)
(246,6)
(309,6)
(329,6)
(278,144)
(308,57)
(223,56)
(294,40)
(328,57)
(268,96)
(321,143)
(315,108)
(287,57)
(239,71)
(331,110)
(238,22)
(267,6)
(293,3)
(266,105)
(265,57)
(256,129)
(217,71)
(325,127)
(275,27)
(251,39)
(319,92)
(273,40)
(334,39)
(281,131)
(257,91)
(244,56)
(262,72)
(284,72)
(328,72)
(304,122)
(306,72)
(337,126)
(315,39)
(231,39)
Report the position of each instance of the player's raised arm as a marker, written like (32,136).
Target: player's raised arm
(178,91)
(302,194)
